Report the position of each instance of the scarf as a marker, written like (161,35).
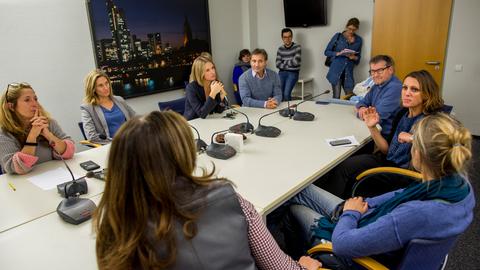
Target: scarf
(451,188)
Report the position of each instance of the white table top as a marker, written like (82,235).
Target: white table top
(267,172)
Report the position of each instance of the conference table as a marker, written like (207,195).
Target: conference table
(267,172)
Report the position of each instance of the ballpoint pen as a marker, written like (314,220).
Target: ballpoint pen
(12,186)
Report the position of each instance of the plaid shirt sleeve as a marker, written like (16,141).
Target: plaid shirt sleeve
(265,250)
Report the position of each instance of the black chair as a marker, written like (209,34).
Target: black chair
(418,254)
(85,141)
(176,105)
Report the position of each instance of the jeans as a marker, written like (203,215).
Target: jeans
(288,79)
(310,204)
(337,89)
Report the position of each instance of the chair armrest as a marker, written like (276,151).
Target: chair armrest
(90,144)
(366,262)
(394,170)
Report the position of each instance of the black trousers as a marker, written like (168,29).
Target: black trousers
(341,179)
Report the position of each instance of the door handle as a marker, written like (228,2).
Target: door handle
(433,63)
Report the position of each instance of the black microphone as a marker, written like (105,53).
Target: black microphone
(200,144)
(268,131)
(100,175)
(306,116)
(242,127)
(220,151)
(287,112)
(73,209)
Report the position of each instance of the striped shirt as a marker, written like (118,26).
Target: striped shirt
(289,58)
(265,250)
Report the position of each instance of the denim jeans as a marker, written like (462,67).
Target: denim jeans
(310,204)
(288,79)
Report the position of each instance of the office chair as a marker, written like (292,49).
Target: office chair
(176,105)
(418,254)
(85,141)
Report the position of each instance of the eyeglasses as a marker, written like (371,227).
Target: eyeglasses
(22,85)
(378,71)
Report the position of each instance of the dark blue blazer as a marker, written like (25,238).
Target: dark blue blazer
(197,105)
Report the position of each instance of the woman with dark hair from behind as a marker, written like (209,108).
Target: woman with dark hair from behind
(439,207)
(161,216)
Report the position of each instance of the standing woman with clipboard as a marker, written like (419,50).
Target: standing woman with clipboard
(343,53)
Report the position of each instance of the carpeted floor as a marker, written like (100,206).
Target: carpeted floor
(466,253)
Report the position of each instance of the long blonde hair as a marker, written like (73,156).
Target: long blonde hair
(198,69)
(9,119)
(141,190)
(91,96)
(444,145)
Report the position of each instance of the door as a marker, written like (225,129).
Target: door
(414,33)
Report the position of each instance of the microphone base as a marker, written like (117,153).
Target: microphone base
(287,112)
(201,145)
(303,116)
(76,210)
(220,151)
(242,128)
(267,131)
(79,186)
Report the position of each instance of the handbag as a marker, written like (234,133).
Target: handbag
(328,60)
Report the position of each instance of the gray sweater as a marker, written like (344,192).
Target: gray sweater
(289,58)
(9,146)
(255,91)
(95,124)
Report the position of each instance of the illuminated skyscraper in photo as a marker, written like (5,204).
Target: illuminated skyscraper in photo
(120,33)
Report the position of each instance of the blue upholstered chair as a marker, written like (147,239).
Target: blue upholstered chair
(176,105)
(418,254)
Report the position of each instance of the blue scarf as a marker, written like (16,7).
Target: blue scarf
(451,188)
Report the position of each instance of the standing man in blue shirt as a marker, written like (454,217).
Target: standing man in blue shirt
(384,96)
(289,57)
(260,86)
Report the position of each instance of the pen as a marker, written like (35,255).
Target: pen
(12,186)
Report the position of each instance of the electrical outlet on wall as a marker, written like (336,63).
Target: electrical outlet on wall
(458,67)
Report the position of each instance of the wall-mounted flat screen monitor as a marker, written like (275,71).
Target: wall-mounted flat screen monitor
(305,13)
(148,46)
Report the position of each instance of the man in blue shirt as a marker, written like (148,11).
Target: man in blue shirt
(259,86)
(385,94)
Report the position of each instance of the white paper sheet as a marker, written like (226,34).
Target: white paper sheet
(353,141)
(51,178)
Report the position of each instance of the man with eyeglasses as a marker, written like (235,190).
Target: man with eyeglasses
(289,57)
(385,94)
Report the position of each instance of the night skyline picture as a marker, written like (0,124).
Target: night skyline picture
(148,46)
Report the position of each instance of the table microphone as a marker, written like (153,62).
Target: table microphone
(245,127)
(287,112)
(306,116)
(220,151)
(73,209)
(268,131)
(200,144)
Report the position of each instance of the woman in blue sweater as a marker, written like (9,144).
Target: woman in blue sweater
(439,207)
(420,97)
(204,94)
(345,51)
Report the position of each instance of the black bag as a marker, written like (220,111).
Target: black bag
(328,61)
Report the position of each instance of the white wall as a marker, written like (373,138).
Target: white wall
(462,89)
(270,21)
(48,44)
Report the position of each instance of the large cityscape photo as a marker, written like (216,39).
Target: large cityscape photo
(148,46)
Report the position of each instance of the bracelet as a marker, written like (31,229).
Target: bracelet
(31,143)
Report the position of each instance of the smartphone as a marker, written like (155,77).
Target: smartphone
(340,142)
(89,165)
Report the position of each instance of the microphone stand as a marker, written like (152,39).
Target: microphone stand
(306,116)
(287,112)
(268,131)
(220,151)
(201,144)
(242,127)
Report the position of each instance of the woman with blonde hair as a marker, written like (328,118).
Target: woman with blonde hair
(204,94)
(438,207)
(162,216)
(102,112)
(28,135)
